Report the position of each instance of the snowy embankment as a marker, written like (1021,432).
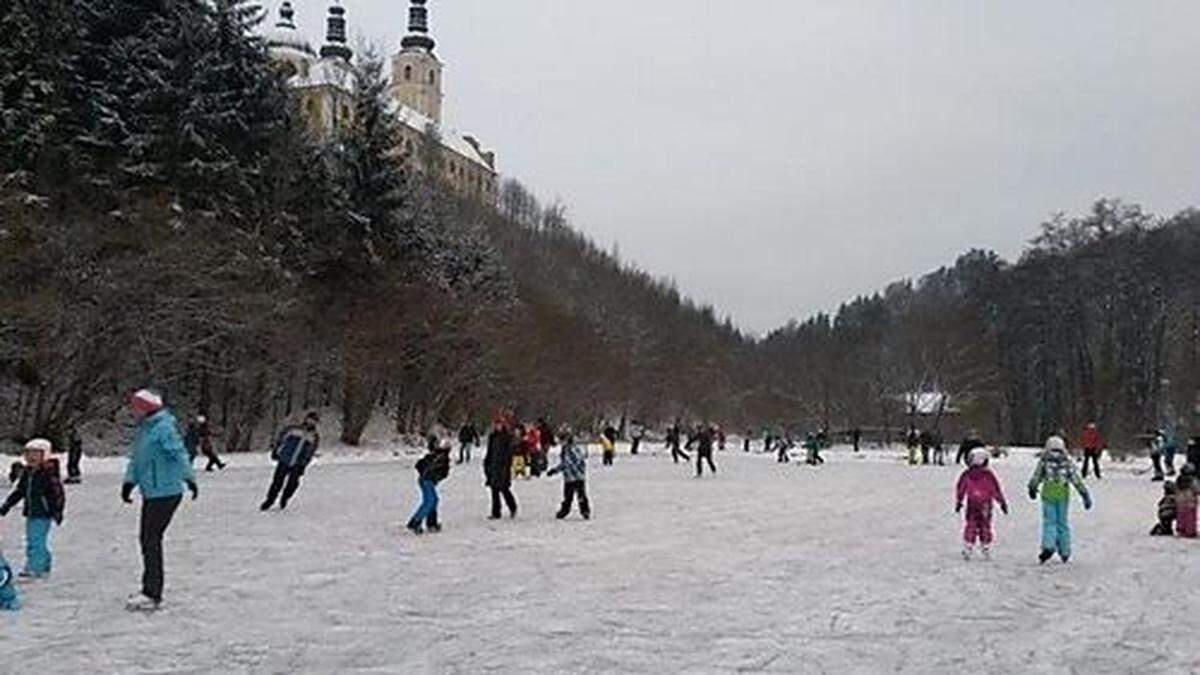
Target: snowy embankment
(850,567)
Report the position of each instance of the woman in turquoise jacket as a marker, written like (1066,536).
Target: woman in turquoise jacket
(159,469)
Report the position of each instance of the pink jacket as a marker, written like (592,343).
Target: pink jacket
(979,485)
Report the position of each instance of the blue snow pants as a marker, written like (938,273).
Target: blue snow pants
(9,600)
(37,553)
(1056,528)
(429,501)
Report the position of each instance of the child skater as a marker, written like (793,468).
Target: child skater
(1166,512)
(40,487)
(1054,476)
(432,469)
(10,600)
(572,465)
(978,485)
(1185,502)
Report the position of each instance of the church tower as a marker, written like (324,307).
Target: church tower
(416,72)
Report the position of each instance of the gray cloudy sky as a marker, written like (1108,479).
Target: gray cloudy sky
(777,157)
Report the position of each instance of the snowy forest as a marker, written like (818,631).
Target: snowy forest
(166,220)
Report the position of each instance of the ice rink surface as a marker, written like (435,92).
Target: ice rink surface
(852,567)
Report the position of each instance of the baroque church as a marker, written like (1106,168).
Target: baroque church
(323,80)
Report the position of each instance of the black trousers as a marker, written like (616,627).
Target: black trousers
(73,457)
(509,500)
(701,457)
(1094,456)
(286,478)
(156,516)
(637,442)
(213,459)
(464,453)
(677,453)
(606,458)
(573,490)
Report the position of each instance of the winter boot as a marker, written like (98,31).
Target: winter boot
(1045,555)
(141,603)
(415,527)
(966,552)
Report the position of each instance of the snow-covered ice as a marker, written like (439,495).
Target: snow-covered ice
(851,567)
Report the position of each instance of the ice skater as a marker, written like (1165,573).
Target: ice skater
(293,452)
(572,464)
(979,487)
(159,469)
(704,440)
(468,438)
(198,436)
(1093,447)
(675,441)
(74,455)
(608,444)
(432,469)
(10,599)
(1185,502)
(1054,477)
(1165,527)
(497,467)
(812,446)
(40,489)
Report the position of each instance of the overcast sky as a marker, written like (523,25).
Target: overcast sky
(777,157)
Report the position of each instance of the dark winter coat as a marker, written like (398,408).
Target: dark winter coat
(434,466)
(296,447)
(195,436)
(497,463)
(41,491)
(703,440)
(1166,509)
(467,435)
(545,436)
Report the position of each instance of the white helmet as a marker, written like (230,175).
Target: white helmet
(979,457)
(1056,444)
(39,445)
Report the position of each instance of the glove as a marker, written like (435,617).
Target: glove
(1033,493)
(127,493)
(958,507)
(195,489)
(1087,501)
(3,511)
(1004,509)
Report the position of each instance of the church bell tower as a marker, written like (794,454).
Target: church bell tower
(416,71)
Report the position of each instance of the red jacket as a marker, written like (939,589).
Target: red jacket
(1091,439)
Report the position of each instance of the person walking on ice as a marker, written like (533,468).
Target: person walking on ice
(432,469)
(159,469)
(1054,477)
(293,451)
(497,466)
(572,465)
(979,487)
(40,488)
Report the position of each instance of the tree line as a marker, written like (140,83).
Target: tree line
(167,220)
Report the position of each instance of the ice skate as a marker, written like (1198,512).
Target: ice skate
(1045,555)
(986,552)
(141,603)
(966,552)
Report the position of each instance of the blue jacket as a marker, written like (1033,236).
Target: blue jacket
(296,447)
(158,462)
(9,600)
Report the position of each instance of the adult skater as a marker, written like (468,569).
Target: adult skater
(159,469)
(1093,446)
(198,436)
(856,438)
(704,439)
(468,437)
(74,455)
(812,444)
(294,449)
(636,431)
(675,441)
(497,467)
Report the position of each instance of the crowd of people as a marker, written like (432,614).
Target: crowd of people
(160,459)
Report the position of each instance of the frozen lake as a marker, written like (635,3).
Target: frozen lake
(851,567)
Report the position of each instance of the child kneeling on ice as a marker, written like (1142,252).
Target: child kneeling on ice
(432,469)
(1054,476)
(9,599)
(40,487)
(573,466)
(980,488)
(1166,512)
(1185,502)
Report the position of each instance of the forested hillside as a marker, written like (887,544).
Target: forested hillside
(166,220)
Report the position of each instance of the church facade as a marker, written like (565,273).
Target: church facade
(323,81)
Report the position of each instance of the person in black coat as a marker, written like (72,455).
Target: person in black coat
(468,437)
(74,455)
(497,468)
(704,439)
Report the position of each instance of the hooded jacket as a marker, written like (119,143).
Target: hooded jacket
(41,491)
(572,463)
(158,463)
(1054,476)
(978,485)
